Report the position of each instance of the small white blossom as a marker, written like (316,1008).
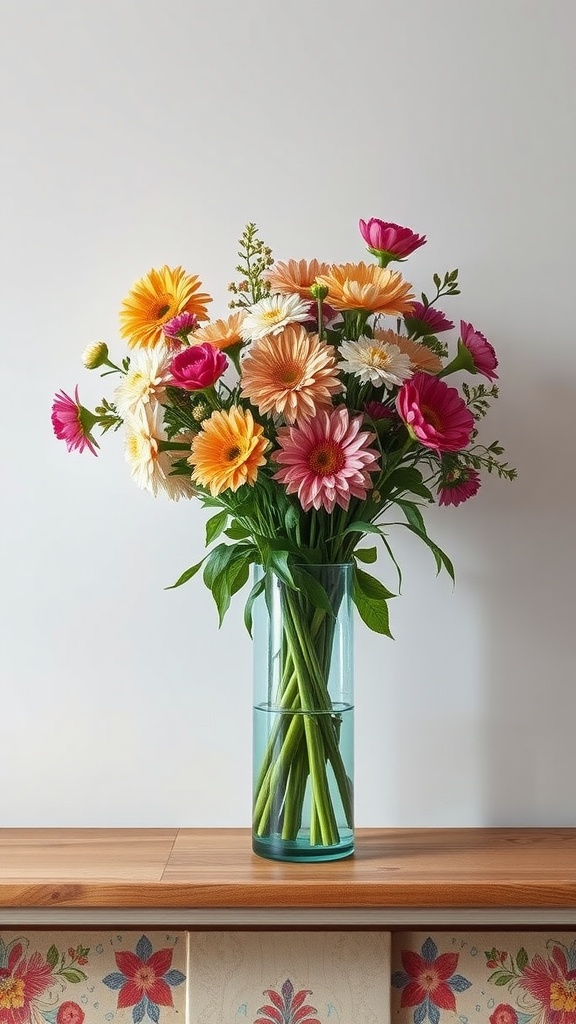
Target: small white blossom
(379,362)
(145,381)
(272,314)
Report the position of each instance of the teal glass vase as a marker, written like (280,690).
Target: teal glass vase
(303,728)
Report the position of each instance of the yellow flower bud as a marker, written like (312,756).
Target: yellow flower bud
(95,355)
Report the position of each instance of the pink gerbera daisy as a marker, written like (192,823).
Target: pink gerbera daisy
(425,320)
(434,413)
(457,485)
(72,423)
(483,355)
(326,460)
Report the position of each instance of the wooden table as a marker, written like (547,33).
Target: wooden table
(199,877)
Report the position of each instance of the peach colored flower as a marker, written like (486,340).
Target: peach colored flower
(367,287)
(221,333)
(295,276)
(327,460)
(228,450)
(292,374)
(421,357)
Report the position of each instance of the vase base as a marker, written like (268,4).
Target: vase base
(275,848)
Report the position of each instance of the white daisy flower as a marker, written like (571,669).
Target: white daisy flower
(151,467)
(379,362)
(145,381)
(272,314)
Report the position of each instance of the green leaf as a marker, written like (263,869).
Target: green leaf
(226,571)
(256,591)
(407,478)
(279,563)
(394,560)
(360,527)
(522,959)
(52,956)
(502,979)
(371,599)
(440,557)
(291,518)
(237,532)
(313,589)
(413,514)
(367,555)
(73,975)
(215,526)
(240,576)
(187,575)
(415,523)
(216,563)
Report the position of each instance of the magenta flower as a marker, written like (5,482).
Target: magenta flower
(425,320)
(434,413)
(72,422)
(180,326)
(389,241)
(198,367)
(483,355)
(326,460)
(329,316)
(378,411)
(457,485)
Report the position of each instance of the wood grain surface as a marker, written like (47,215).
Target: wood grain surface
(191,868)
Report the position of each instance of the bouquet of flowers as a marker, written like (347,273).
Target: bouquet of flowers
(314,415)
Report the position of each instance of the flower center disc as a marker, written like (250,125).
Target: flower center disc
(563,996)
(326,458)
(11,993)
(431,417)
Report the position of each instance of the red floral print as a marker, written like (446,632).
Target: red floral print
(21,981)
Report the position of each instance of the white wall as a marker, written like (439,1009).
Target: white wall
(138,132)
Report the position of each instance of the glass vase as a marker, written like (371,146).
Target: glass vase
(303,731)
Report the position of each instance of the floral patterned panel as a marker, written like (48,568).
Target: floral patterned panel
(92,977)
(484,978)
(289,978)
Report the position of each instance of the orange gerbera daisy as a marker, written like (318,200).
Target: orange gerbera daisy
(228,450)
(221,333)
(292,373)
(157,298)
(295,277)
(421,357)
(369,287)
